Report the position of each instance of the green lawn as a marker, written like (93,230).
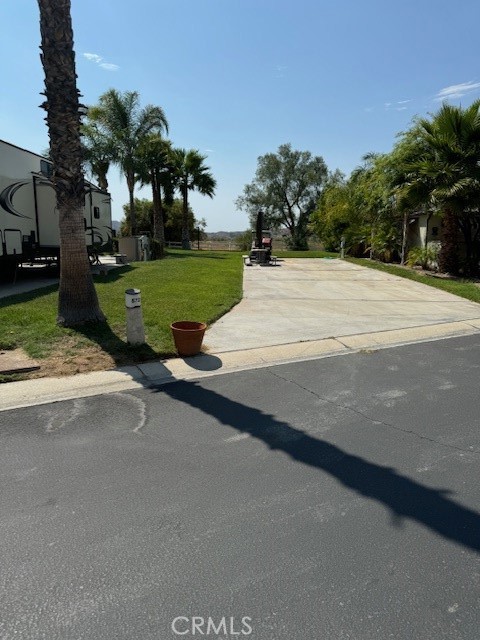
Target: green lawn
(459,287)
(186,285)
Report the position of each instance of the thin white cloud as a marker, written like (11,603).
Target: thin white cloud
(209,150)
(457,90)
(393,106)
(109,66)
(368,109)
(95,58)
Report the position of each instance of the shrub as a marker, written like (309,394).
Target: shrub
(244,241)
(426,257)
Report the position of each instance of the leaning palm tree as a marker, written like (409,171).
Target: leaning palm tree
(78,302)
(192,174)
(119,115)
(154,166)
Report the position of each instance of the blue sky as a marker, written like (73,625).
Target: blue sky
(237,78)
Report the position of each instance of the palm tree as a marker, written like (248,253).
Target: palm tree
(119,115)
(192,174)
(154,167)
(449,170)
(77,302)
(98,152)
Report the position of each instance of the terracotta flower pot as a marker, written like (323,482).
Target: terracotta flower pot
(188,337)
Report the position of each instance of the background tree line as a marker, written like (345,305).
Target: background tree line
(172,213)
(433,168)
(118,131)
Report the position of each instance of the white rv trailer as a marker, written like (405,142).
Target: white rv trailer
(28,209)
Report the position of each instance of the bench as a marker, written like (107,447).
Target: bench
(120,258)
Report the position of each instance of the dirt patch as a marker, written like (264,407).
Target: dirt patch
(76,354)
(16,361)
(61,363)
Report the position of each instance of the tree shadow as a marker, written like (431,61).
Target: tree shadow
(121,352)
(405,498)
(112,274)
(47,289)
(17,298)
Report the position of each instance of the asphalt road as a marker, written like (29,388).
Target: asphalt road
(326,500)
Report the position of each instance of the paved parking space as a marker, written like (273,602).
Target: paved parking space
(312,299)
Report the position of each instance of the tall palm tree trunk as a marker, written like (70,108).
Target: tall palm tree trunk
(77,302)
(158,226)
(185,230)
(448,261)
(130,176)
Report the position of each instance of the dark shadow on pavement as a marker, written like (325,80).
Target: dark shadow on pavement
(406,498)
(43,290)
(17,298)
(204,362)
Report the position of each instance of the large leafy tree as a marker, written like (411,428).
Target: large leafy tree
(172,218)
(127,125)
(335,216)
(287,186)
(144,216)
(446,174)
(191,175)
(373,201)
(78,302)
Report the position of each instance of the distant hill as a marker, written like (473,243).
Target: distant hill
(224,235)
(231,235)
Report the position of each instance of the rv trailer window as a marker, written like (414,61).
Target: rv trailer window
(96,212)
(46,168)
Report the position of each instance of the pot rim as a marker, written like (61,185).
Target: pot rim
(188,326)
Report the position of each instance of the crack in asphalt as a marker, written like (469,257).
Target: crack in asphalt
(372,420)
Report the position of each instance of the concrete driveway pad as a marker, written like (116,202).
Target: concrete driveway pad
(312,299)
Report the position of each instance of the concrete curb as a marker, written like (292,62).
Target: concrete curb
(38,391)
